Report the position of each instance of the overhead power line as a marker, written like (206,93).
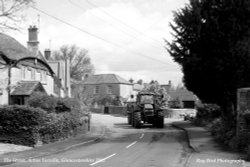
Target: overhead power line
(121,22)
(97,37)
(135,36)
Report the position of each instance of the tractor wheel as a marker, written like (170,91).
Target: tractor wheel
(133,119)
(137,120)
(160,122)
(129,118)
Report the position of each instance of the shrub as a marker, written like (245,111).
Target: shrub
(223,135)
(21,124)
(60,126)
(27,125)
(175,103)
(55,105)
(65,117)
(43,101)
(208,111)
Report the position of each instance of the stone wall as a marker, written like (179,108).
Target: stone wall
(243,108)
(178,113)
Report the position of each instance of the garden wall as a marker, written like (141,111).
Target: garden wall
(243,113)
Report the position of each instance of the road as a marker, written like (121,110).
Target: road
(122,146)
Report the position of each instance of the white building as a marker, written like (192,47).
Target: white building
(23,71)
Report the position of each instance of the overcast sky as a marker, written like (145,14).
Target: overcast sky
(126,35)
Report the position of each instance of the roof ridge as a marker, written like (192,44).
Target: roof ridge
(116,78)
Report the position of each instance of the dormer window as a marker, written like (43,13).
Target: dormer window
(23,72)
(33,74)
(43,77)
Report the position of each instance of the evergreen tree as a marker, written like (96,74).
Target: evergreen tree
(212,45)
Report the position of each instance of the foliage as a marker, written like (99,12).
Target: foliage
(220,132)
(21,124)
(246,116)
(60,126)
(54,104)
(27,125)
(154,87)
(140,82)
(11,13)
(212,45)
(43,101)
(208,112)
(80,62)
(78,92)
(65,116)
(175,103)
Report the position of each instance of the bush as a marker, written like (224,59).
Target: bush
(59,127)
(43,101)
(175,103)
(223,135)
(55,105)
(51,120)
(21,124)
(65,117)
(208,111)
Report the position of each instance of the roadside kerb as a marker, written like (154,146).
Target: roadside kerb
(103,131)
(72,146)
(187,137)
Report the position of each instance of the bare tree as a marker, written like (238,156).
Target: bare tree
(11,13)
(80,62)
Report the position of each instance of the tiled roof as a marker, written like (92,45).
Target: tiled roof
(105,78)
(182,94)
(12,48)
(27,88)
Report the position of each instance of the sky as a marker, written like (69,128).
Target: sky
(124,37)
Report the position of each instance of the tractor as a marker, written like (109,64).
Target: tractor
(145,109)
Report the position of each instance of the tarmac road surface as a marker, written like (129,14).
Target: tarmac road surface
(122,146)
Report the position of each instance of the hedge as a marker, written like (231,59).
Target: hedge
(54,104)
(65,116)
(59,127)
(21,124)
(26,125)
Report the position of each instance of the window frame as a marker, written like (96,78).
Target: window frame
(109,89)
(97,89)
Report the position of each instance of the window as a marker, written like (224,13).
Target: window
(33,74)
(43,76)
(109,89)
(97,90)
(23,72)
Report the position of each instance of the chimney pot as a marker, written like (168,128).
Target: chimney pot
(47,54)
(33,39)
(169,83)
(33,31)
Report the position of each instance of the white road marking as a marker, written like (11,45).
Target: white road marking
(131,144)
(142,135)
(101,160)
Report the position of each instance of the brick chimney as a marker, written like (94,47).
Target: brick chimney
(170,83)
(47,54)
(33,40)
